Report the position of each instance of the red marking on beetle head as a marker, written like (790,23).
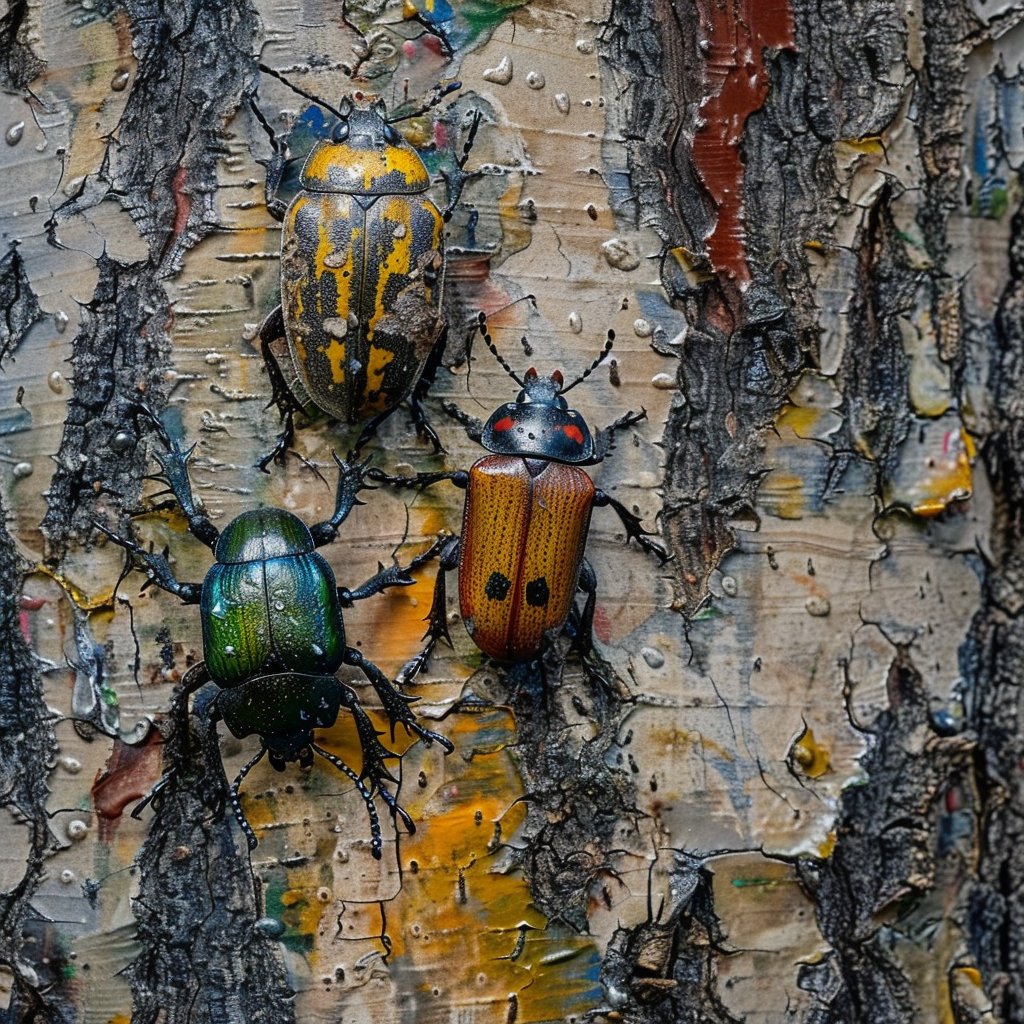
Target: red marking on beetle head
(558,378)
(573,433)
(531,375)
(505,424)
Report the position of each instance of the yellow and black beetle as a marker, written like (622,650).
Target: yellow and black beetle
(362,275)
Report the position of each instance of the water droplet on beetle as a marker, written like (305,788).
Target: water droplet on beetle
(120,80)
(229,651)
(279,606)
(14,133)
(317,649)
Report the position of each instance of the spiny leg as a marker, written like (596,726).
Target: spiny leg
(396,705)
(634,527)
(174,463)
(271,329)
(459,477)
(156,567)
(351,477)
(374,752)
(392,576)
(456,179)
(376,844)
(250,836)
(604,441)
(420,420)
(437,618)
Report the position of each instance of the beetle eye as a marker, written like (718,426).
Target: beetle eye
(391,134)
(340,133)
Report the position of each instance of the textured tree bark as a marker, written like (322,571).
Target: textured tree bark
(786,784)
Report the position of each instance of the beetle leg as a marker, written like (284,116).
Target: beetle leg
(396,705)
(275,167)
(155,567)
(374,752)
(392,576)
(456,179)
(174,463)
(604,440)
(420,421)
(376,845)
(634,527)
(351,476)
(473,426)
(458,477)
(438,616)
(250,836)
(281,395)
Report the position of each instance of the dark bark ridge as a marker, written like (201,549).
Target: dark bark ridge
(991,664)
(664,971)
(896,842)
(207,957)
(27,754)
(18,64)
(203,958)
(19,308)
(578,794)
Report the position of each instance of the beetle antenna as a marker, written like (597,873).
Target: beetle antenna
(302,92)
(437,94)
(371,809)
(594,365)
(489,342)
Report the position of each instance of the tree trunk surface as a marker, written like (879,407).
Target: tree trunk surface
(787,785)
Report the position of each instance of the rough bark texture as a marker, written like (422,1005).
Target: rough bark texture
(786,784)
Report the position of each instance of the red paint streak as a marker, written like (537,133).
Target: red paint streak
(736,34)
(602,625)
(182,202)
(574,434)
(130,773)
(505,424)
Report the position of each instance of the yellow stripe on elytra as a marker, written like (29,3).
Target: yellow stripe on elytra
(397,214)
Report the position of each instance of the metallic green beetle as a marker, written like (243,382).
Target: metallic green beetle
(273,636)
(362,275)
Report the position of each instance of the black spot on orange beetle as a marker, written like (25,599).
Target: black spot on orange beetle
(537,592)
(497,586)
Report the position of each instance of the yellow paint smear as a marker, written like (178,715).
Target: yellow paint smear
(460,917)
(811,757)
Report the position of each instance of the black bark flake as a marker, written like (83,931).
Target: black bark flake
(19,308)
(27,746)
